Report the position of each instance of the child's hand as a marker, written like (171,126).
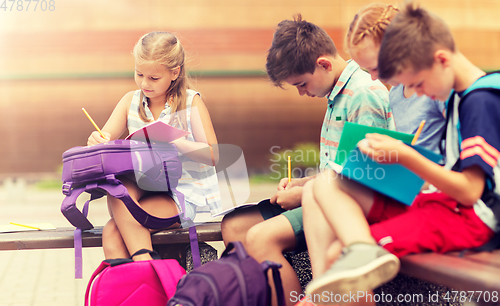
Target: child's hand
(96,138)
(382,148)
(288,199)
(284,184)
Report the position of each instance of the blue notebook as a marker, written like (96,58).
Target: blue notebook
(392,180)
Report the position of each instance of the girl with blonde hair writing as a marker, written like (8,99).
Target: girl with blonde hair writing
(164,94)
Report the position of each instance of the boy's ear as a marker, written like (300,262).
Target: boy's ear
(442,57)
(325,63)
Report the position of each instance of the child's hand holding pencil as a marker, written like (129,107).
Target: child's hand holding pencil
(97,136)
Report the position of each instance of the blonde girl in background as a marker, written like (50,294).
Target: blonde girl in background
(164,94)
(363,40)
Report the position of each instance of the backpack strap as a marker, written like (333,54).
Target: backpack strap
(490,81)
(71,212)
(79,218)
(97,190)
(278,285)
(266,265)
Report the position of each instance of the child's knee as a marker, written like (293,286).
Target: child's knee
(112,241)
(307,193)
(326,179)
(236,224)
(231,224)
(263,238)
(110,231)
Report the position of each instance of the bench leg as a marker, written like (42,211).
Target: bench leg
(173,251)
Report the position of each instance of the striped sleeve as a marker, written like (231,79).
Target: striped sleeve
(480,131)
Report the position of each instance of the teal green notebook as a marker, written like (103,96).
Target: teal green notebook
(352,133)
(392,180)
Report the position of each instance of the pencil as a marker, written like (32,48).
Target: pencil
(289,169)
(92,121)
(417,134)
(27,226)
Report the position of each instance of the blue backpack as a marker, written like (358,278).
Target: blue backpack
(489,82)
(94,170)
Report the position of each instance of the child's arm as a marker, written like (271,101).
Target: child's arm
(466,187)
(204,134)
(116,124)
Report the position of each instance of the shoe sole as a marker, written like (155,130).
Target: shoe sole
(365,278)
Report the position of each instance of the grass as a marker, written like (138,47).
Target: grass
(48,184)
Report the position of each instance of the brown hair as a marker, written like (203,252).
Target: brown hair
(370,21)
(164,48)
(295,48)
(411,40)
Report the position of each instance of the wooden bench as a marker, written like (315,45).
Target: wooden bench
(468,272)
(478,272)
(170,243)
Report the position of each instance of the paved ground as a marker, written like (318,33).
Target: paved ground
(46,277)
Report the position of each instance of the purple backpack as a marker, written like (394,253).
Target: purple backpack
(94,170)
(234,279)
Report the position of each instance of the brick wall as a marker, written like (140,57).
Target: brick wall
(54,63)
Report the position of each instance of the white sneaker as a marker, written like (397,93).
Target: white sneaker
(362,267)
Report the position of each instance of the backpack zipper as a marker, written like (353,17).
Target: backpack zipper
(241,280)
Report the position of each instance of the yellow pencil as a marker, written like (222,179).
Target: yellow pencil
(289,169)
(92,121)
(417,134)
(27,226)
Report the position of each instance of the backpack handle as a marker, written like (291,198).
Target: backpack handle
(239,249)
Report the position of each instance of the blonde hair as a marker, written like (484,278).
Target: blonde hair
(370,21)
(411,41)
(165,49)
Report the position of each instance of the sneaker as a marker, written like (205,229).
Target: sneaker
(362,267)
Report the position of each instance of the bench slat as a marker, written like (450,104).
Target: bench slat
(486,258)
(63,237)
(453,271)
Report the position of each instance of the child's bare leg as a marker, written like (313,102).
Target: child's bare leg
(364,265)
(267,241)
(333,252)
(134,235)
(235,226)
(345,204)
(112,242)
(319,234)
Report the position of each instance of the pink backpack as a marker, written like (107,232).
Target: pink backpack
(129,283)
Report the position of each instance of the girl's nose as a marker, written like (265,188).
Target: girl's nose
(301,91)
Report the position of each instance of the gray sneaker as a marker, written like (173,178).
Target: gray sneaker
(361,267)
